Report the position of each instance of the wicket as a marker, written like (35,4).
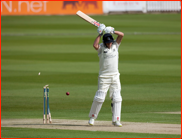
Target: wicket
(46,97)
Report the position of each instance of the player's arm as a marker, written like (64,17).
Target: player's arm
(100,31)
(96,42)
(120,36)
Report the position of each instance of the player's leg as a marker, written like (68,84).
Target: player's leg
(96,105)
(116,101)
(116,108)
(103,86)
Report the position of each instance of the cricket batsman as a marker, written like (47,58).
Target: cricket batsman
(109,76)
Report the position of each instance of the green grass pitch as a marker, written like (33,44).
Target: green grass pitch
(60,47)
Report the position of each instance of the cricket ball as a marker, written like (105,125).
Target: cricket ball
(67,93)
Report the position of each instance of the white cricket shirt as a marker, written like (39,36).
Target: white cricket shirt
(108,60)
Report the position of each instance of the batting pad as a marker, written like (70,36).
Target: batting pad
(116,96)
(95,109)
(100,96)
(116,109)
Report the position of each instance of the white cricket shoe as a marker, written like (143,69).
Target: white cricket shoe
(91,121)
(117,123)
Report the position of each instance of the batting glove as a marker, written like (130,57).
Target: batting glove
(109,30)
(101,28)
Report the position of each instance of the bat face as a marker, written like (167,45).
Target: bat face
(88,19)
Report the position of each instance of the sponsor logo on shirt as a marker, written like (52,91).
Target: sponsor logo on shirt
(109,56)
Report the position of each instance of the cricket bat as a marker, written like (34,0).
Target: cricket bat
(88,19)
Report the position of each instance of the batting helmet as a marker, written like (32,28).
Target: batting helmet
(107,38)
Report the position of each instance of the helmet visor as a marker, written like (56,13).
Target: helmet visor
(109,41)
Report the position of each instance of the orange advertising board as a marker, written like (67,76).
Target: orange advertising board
(50,7)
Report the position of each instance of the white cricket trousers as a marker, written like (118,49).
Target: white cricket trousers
(113,85)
